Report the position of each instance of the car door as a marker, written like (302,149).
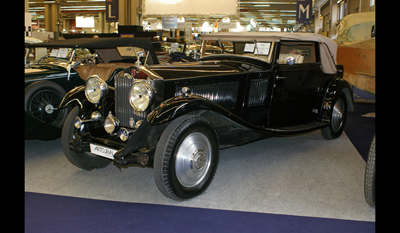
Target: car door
(296,85)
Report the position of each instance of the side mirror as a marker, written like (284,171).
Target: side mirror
(290,60)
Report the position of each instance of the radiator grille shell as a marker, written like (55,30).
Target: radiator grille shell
(123,109)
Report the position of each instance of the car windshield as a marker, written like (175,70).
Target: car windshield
(257,49)
(164,49)
(63,56)
(126,54)
(57,56)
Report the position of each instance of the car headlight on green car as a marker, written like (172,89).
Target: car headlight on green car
(141,95)
(95,89)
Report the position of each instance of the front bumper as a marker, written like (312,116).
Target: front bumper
(134,151)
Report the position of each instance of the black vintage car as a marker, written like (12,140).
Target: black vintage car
(64,65)
(175,118)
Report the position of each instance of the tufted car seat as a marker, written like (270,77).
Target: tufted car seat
(283,56)
(103,70)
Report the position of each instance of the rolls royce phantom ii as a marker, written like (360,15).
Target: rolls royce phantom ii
(176,117)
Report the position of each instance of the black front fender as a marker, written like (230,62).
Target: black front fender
(77,97)
(334,89)
(180,105)
(228,125)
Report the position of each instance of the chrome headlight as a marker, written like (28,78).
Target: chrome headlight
(141,95)
(95,89)
(111,124)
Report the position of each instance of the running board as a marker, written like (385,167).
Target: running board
(298,128)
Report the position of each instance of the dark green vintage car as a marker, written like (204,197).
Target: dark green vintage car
(66,65)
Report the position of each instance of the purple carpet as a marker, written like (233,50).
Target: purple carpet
(360,130)
(52,213)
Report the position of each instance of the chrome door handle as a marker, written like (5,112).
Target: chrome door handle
(280,77)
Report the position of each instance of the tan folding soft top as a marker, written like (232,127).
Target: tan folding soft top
(328,47)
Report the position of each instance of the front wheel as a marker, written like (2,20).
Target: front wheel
(85,160)
(338,119)
(186,158)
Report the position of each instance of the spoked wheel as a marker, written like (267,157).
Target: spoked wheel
(338,119)
(42,100)
(186,158)
(42,107)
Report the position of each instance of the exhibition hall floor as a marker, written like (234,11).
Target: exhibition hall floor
(302,175)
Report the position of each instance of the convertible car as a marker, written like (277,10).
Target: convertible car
(175,118)
(64,65)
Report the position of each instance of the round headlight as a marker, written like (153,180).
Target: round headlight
(95,89)
(123,134)
(111,124)
(141,95)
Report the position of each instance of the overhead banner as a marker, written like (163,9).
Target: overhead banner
(112,10)
(190,7)
(304,12)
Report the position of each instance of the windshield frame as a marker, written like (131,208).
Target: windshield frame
(63,62)
(240,45)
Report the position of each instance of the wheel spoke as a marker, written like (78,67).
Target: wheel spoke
(38,103)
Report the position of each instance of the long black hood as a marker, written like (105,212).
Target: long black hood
(193,69)
(44,70)
(211,66)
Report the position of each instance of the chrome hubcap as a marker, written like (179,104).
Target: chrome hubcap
(41,106)
(193,159)
(49,109)
(338,115)
(198,160)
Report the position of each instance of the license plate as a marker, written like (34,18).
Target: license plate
(102,151)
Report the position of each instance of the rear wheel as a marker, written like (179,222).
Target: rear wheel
(186,158)
(338,119)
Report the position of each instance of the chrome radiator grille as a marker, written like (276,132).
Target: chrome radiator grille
(123,109)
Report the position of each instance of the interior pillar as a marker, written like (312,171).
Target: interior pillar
(47,17)
(128,12)
(52,12)
(102,20)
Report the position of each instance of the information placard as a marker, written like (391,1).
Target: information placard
(170,22)
(262,48)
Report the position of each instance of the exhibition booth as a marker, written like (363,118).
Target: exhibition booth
(199,116)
